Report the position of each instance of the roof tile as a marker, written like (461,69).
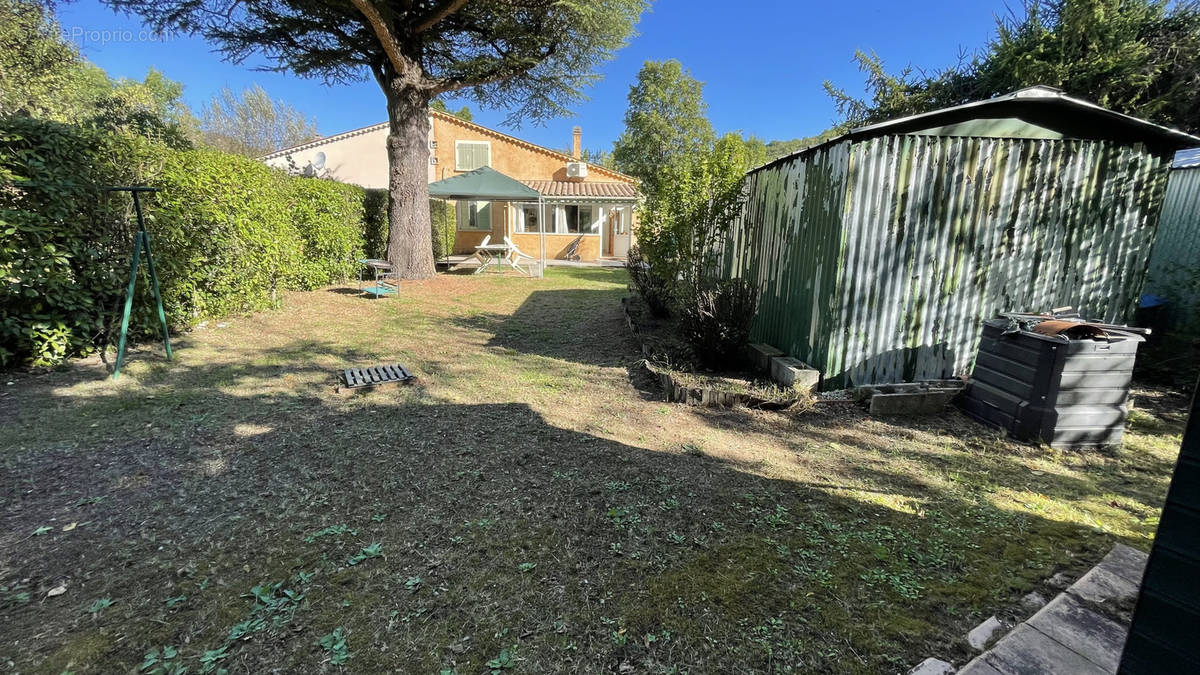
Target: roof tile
(562,188)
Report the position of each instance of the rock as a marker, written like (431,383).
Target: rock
(1033,602)
(1060,581)
(983,634)
(932,666)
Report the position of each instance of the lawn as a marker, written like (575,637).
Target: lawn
(527,507)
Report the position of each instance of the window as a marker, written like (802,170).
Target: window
(475,216)
(575,219)
(529,218)
(470,155)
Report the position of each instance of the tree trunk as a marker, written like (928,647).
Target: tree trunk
(410,241)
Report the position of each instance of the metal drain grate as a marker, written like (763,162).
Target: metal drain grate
(357,378)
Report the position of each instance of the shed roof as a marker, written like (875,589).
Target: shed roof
(1187,159)
(484,183)
(1044,107)
(1032,112)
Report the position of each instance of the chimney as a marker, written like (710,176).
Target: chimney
(576,136)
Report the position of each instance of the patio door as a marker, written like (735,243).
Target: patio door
(618,226)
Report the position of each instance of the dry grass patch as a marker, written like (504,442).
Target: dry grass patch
(525,507)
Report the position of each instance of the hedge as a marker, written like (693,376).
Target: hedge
(229,233)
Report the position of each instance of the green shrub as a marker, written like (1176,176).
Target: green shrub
(375,223)
(444,225)
(715,320)
(229,233)
(655,288)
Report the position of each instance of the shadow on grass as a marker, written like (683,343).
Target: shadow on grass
(496,529)
(579,325)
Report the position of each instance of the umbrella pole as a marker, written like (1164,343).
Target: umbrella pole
(542,234)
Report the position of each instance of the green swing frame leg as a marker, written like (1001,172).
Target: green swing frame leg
(141,240)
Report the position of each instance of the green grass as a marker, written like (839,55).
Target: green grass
(524,507)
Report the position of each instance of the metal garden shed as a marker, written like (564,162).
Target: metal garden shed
(1175,263)
(879,252)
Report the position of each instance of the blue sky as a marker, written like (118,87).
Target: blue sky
(762,62)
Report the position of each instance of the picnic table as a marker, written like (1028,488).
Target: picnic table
(382,272)
(494,255)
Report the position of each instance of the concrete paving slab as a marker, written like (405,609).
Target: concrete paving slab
(984,633)
(978,666)
(1126,562)
(1112,593)
(1069,622)
(1026,651)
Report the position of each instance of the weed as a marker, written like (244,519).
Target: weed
(331,531)
(99,605)
(506,660)
(373,551)
(164,661)
(335,645)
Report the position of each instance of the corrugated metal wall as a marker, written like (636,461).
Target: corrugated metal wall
(1176,256)
(879,259)
(788,242)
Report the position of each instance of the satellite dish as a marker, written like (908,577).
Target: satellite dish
(319,161)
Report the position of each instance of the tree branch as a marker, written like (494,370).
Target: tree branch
(440,13)
(386,39)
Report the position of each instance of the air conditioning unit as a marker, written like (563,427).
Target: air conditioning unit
(433,145)
(576,170)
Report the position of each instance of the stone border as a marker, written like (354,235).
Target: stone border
(1082,630)
(676,391)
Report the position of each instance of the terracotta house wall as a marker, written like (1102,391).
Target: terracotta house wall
(360,157)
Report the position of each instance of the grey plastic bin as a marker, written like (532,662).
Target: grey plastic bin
(1065,392)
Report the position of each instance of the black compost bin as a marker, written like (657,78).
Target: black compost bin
(1063,391)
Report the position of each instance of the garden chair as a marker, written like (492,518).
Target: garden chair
(516,257)
(573,250)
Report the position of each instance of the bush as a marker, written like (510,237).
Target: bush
(657,291)
(444,226)
(228,234)
(715,320)
(375,223)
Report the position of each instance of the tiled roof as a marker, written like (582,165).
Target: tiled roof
(592,190)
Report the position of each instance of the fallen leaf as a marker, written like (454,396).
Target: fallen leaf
(57,590)
(68,528)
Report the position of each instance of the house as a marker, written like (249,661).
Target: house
(880,252)
(1174,273)
(584,203)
